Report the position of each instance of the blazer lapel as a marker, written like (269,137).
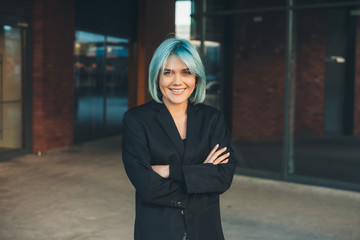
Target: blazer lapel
(168,124)
(193,127)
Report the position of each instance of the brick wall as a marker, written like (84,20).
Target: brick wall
(310,73)
(155,23)
(259,73)
(53,43)
(357,82)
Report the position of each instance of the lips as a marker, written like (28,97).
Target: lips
(177,91)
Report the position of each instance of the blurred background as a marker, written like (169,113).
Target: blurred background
(286,74)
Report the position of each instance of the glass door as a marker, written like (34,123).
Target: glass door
(101,91)
(11,101)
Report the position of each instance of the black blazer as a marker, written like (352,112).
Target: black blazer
(189,199)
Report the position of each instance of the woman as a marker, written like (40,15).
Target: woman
(176,151)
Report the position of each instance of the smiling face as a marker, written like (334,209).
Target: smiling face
(177,83)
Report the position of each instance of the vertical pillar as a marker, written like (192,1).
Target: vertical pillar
(156,22)
(289,107)
(53,74)
(356,127)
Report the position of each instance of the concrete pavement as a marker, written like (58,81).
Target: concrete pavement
(82,193)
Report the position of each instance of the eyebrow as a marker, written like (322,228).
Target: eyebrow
(168,69)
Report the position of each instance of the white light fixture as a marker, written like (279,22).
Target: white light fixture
(338,59)
(7,28)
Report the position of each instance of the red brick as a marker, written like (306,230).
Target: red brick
(53,41)
(357,83)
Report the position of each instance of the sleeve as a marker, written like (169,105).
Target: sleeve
(176,173)
(152,188)
(210,178)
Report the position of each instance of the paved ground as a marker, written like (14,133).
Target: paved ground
(82,193)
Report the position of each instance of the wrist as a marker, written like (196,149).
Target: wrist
(166,171)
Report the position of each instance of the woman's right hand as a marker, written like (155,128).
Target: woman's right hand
(215,156)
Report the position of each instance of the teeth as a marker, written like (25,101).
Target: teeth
(177,90)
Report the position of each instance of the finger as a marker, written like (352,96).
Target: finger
(221,158)
(211,153)
(213,150)
(225,161)
(217,154)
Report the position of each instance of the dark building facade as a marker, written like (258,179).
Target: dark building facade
(289,84)
(67,68)
(284,72)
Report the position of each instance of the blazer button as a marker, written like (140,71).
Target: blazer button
(182,212)
(179,204)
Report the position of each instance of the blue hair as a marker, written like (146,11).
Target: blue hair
(187,53)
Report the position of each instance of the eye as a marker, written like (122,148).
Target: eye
(187,73)
(167,73)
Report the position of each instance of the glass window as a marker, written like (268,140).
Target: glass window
(249,4)
(89,101)
(101,67)
(327,63)
(212,59)
(182,19)
(221,5)
(314,2)
(214,5)
(258,89)
(244,57)
(116,82)
(11,132)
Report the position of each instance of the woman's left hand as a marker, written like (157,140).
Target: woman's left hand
(162,170)
(217,156)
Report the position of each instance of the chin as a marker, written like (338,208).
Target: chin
(177,100)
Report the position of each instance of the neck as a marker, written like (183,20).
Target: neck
(177,109)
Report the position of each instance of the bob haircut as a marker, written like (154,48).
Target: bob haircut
(187,53)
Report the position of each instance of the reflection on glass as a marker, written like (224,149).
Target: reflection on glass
(212,63)
(101,66)
(11,88)
(89,54)
(316,2)
(220,5)
(116,82)
(257,62)
(326,93)
(258,90)
(249,4)
(326,145)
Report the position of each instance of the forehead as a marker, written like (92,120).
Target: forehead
(174,62)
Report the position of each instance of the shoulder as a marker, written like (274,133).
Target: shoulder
(151,107)
(208,111)
(142,112)
(138,110)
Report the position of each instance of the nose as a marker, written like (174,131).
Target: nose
(177,79)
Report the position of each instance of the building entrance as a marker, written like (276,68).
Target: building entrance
(11,100)
(100,92)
